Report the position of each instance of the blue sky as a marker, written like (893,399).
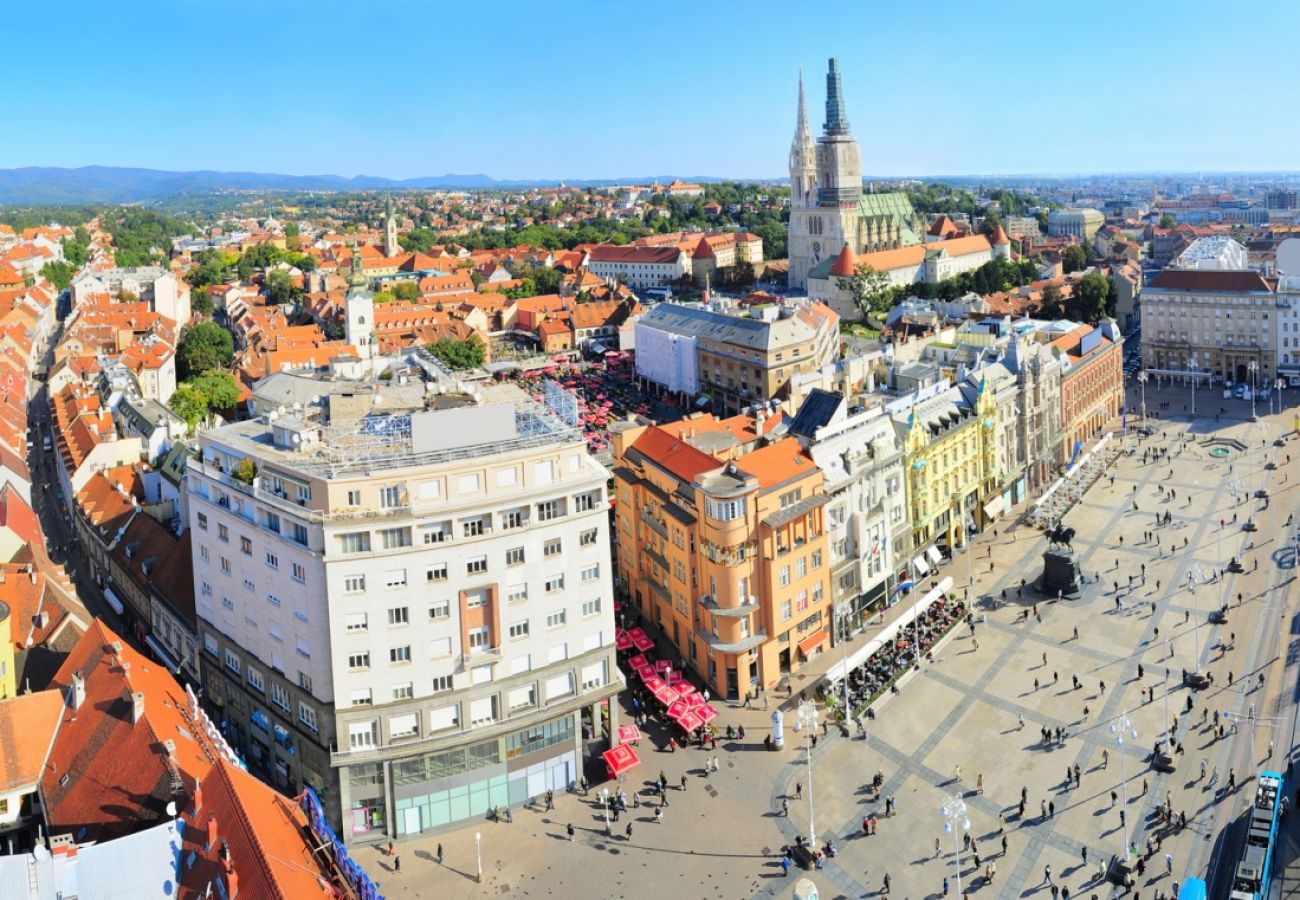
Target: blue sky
(615,88)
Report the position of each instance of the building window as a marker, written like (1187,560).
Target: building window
(475,599)
(210,644)
(232,661)
(298,534)
(272,599)
(358,661)
(203,521)
(399,615)
(354,498)
(395,579)
(478,638)
(725,510)
(390,496)
(245,546)
(516,593)
(225,566)
(303,648)
(440,610)
(279,696)
(307,716)
(552,548)
(591,573)
(515,518)
(550,509)
(800,567)
(591,607)
(783,577)
(442,684)
(223,533)
(554,583)
(586,502)
(355,542)
(404,691)
(393,538)
(786,609)
(273,561)
(515,556)
(435,534)
(555,619)
(362,697)
(816,559)
(437,573)
(474,527)
(255,679)
(354,584)
(299,573)
(400,655)
(404,726)
(476,566)
(356,621)
(519,630)
(363,735)
(588,538)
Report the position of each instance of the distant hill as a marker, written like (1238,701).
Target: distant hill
(109,184)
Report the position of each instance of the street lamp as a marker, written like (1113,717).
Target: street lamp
(1196,577)
(1142,380)
(1120,727)
(604,802)
(806,721)
(478,855)
(1277,392)
(955,822)
(1192,369)
(1253,368)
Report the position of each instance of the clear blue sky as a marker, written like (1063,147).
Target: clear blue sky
(611,88)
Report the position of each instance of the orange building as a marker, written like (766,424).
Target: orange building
(721,543)
(1092,380)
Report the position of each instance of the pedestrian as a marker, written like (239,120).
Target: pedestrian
(1004,845)
(1169,864)
(1047,874)
(1021,719)
(659,815)
(957,774)
(397,864)
(1105,758)
(1113,798)
(550,800)
(684,781)
(945,885)
(785,807)
(583,782)
(979,779)
(1083,851)
(1051,809)
(1043,808)
(886,884)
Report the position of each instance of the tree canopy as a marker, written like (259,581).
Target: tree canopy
(59,273)
(1087,302)
(203,347)
(219,389)
(1074,258)
(138,233)
(454,354)
(869,290)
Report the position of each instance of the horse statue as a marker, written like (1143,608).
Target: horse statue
(1060,535)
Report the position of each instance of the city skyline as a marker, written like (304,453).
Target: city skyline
(957,94)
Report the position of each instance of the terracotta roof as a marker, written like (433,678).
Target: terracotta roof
(107,775)
(19,518)
(1000,236)
(777,463)
(28,724)
(703,250)
(674,454)
(645,255)
(1210,280)
(845,263)
(265,834)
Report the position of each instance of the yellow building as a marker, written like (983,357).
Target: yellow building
(721,543)
(8,678)
(951,465)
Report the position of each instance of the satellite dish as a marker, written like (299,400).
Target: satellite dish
(1288,257)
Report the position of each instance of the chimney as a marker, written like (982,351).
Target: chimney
(137,707)
(78,696)
(212,834)
(758,421)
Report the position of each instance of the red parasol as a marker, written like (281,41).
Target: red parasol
(678,708)
(638,661)
(693,699)
(642,643)
(690,721)
(682,686)
(647,673)
(707,713)
(664,694)
(620,759)
(622,641)
(653,682)
(674,677)
(629,734)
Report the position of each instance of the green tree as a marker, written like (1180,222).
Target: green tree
(218,389)
(1051,308)
(546,281)
(291,230)
(204,346)
(1168,221)
(454,354)
(1074,258)
(189,404)
(1087,302)
(200,302)
(59,273)
(406,290)
(868,289)
(75,253)
(280,287)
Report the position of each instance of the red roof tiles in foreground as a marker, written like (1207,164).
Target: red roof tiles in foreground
(28,724)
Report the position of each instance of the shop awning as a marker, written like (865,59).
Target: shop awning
(620,759)
(113,601)
(163,656)
(993,508)
(812,641)
(920,564)
(935,556)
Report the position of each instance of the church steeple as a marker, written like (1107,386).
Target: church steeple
(836,121)
(803,155)
(391,246)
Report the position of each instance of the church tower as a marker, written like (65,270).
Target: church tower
(803,197)
(839,171)
(391,247)
(359,310)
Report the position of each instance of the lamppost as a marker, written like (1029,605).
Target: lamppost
(1120,727)
(1253,368)
(806,721)
(1142,381)
(1196,577)
(478,854)
(1277,392)
(1191,368)
(955,822)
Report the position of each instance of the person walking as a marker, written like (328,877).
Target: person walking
(885,889)
(397,864)
(798,790)
(956,776)
(979,781)
(627,832)
(684,779)
(659,815)
(1083,852)
(785,807)
(1047,874)
(785,865)
(1169,864)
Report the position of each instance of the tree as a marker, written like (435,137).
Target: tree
(189,404)
(868,289)
(1074,258)
(74,253)
(454,354)
(547,281)
(1087,303)
(217,388)
(1168,221)
(200,302)
(203,347)
(406,290)
(291,230)
(59,273)
(1051,308)
(280,287)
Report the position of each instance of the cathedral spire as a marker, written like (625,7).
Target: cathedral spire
(802,131)
(836,121)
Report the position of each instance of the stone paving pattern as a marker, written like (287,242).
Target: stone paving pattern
(724,834)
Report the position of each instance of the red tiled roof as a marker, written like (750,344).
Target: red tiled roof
(674,454)
(28,724)
(1210,280)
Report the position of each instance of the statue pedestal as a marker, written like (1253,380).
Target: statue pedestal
(1060,574)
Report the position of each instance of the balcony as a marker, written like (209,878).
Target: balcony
(479,656)
(744,645)
(729,612)
(659,559)
(656,526)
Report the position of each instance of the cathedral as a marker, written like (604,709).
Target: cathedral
(827,206)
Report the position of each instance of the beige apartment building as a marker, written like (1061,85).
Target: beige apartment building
(408,609)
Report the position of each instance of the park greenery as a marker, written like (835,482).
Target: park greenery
(195,400)
(454,354)
(874,297)
(204,346)
(143,237)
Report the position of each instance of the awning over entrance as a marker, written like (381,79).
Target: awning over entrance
(165,657)
(935,556)
(993,508)
(812,641)
(920,564)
